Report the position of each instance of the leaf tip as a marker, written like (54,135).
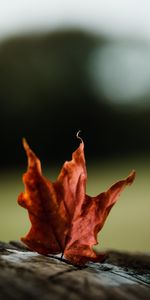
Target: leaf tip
(131,177)
(78,136)
(25,144)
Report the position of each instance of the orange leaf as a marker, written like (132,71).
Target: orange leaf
(64,219)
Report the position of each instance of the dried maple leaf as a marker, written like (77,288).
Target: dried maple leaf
(64,219)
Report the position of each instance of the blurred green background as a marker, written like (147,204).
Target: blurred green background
(57,80)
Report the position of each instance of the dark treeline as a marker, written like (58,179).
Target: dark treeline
(46,96)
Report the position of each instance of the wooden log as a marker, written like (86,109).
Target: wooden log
(27,275)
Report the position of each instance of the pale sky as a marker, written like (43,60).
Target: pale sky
(119,17)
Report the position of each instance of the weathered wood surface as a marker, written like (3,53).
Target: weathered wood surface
(27,275)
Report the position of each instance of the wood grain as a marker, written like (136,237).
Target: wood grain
(25,274)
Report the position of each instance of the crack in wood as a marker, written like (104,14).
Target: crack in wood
(128,274)
(55,276)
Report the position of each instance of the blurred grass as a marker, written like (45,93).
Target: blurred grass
(127,227)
